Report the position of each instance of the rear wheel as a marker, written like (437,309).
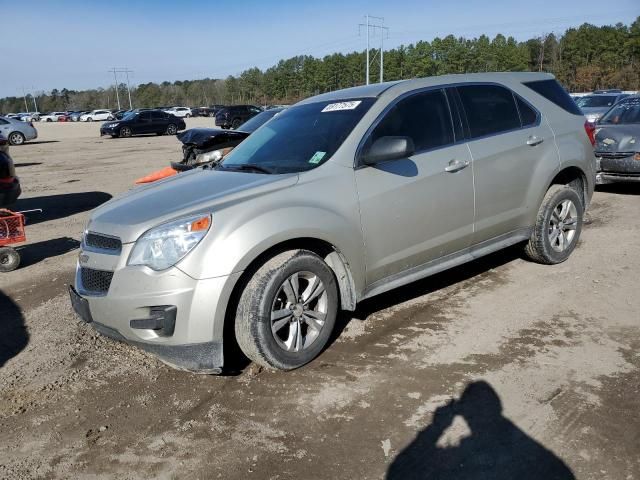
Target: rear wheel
(125,132)
(558,226)
(9,259)
(287,311)
(236,123)
(16,138)
(89,119)
(171,129)
(49,120)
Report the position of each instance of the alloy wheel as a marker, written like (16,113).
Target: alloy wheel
(562,225)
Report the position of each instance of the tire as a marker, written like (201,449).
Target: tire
(89,119)
(124,132)
(49,120)
(236,123)
(110,118)
(212,115)
(558,226)
(172,129)
(9,259)
(188,115)
(16,138)
(294,337)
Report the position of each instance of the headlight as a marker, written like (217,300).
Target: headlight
(165,245)
(213,156)
(112,125)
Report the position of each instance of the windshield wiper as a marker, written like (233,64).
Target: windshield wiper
(246,167)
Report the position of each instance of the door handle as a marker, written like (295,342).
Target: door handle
(532,141)
(456,165)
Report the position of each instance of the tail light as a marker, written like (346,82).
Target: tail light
(590,128)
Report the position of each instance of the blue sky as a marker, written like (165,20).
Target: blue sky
(68,43)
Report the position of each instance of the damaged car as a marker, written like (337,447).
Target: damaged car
(208,146)
(618,143)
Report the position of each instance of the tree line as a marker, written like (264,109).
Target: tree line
(583,59)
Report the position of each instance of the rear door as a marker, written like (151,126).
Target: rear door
(509,142)
(418,209)
(159,122)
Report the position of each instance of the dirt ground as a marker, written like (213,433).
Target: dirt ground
(544,362)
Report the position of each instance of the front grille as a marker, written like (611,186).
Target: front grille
(615,154)
(103,242)
(97,281)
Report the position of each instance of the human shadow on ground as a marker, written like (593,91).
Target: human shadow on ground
(620,188)
(496,449)
(60,206)
(13,334)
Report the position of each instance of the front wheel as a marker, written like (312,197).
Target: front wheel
(125,132)
(558,226)
(9,259)
(89,119)
(287,311)
(171,129)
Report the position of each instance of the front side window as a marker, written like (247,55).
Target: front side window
(424,117)
(300,138)
(490,109)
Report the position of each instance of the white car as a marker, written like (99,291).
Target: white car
(97,115)
(180,111)
(52,117)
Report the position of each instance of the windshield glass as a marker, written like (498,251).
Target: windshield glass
(256,122)
(300,138)
(596,101)
(129,115)
(623,113)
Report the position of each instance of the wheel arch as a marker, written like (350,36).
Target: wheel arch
(575,177)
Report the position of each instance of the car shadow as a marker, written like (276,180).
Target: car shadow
(39,142)
(36,252)
(26,164)
(620,188)
(494,448)
(13,333)
(425,286)
(59,206)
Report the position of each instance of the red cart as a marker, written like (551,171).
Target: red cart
(11,232)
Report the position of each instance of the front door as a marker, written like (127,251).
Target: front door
(418,209)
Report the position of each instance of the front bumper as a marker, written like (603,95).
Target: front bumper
(108,131)
(126,310)
(613,170)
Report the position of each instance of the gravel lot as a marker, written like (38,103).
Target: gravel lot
(545,360)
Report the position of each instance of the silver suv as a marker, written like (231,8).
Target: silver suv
(343,196)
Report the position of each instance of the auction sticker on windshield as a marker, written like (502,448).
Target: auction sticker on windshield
(317,157)
(335,107)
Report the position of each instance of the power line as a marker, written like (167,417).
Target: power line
(383,30)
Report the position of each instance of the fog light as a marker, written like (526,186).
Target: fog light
(162,320)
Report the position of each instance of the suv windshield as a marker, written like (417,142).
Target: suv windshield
(596,101)
(623,113)
(300,138)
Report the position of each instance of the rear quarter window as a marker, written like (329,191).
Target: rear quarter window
(552,91)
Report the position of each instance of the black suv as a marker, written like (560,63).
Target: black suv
(235,115)
(141,122)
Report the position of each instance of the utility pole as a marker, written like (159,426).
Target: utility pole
(368,25)
(127,71)
(115,79)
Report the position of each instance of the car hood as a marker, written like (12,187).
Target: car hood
(208,137)
(202,190)
(617,138)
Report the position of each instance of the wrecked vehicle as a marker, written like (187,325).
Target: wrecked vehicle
(9,183)
(595,105)
(618,143)
(208,146)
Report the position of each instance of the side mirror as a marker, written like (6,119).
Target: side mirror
(389,148)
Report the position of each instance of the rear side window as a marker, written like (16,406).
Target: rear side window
(490,109)
(424,117)
(552,91)
(528,115)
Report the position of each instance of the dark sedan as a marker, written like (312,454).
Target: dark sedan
(143,122)
(9,183)
(235,115)
(618,143)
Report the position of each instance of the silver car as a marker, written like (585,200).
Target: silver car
(595,106)
(341,197)
(16,131)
